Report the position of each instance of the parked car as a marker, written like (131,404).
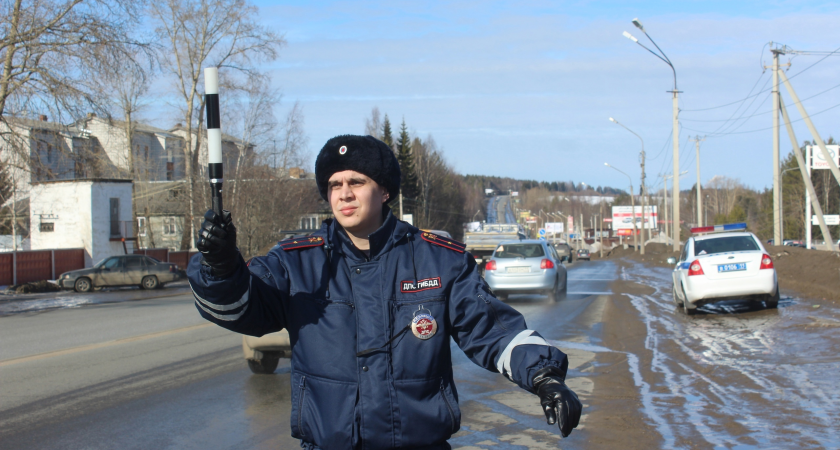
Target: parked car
(526,267)
(721,263)
(264,353)
(564,251)
(128,270)
(583,254)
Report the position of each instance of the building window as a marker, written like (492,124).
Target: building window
(141,226)
(47,227)
(309,223)
(168,226)
(170,171)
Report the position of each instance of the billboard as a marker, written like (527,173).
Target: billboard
(817,160)
(552,228)
(622,217)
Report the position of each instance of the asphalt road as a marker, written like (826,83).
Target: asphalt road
(151,374)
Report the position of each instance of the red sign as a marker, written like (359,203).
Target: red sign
(607,220)
(625,232)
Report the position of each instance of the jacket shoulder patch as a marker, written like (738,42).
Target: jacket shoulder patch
(451,244)
(302,242)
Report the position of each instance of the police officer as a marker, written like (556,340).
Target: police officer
(370,303)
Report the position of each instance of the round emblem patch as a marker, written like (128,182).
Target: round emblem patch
(342,150)
(424,326)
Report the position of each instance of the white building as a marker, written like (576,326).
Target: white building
(94,214)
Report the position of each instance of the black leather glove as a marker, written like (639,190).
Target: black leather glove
(217,244)
(557,400)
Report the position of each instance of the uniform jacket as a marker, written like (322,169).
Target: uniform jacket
(359,378)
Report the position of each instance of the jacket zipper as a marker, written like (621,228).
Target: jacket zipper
(495,315)
(448,406)
(300,405)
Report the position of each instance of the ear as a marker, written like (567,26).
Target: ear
(385,195)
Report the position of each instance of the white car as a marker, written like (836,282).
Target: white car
(724,262)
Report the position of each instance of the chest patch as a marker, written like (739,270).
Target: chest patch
(421,285)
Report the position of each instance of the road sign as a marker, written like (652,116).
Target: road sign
(542,238)
(541,232)
(830,219)
(817,160)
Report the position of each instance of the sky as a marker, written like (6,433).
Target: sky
(526,89)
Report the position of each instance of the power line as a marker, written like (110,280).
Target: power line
(762,74)
(769,110)
(765,129)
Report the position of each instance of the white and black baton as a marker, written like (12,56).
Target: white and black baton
(214,136)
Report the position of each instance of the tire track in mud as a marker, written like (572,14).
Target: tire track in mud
(723,378)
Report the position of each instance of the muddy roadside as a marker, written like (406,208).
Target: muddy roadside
(809,273)
(615,418)
(718,380)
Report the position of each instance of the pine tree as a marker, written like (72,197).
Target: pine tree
(408,185)
(387,135)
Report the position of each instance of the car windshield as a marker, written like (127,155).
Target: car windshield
(100,263)
(724,245)
(519,251)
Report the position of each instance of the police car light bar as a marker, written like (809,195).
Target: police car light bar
(742,226)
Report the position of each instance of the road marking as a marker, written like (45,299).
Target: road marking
(69,351)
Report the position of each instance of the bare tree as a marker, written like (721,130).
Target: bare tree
(47,48)
(373,124)
(199,34)
(293,138)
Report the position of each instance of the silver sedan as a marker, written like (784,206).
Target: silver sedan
(526,267)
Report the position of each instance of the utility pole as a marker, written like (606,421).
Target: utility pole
(777,219)
(644,201)
(665,201)
(675,229)
(697,141)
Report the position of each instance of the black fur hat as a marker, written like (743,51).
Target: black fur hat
(364,154)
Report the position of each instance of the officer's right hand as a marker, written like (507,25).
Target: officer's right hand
(217,243)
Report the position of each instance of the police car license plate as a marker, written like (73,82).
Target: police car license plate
(518,269)
(732,267)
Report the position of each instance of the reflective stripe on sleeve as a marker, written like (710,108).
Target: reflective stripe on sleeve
(227,318)
(523,338)
(242,300)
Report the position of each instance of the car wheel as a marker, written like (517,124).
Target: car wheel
(265,366)
(676,299)
(560,293)
(149,282)
(772,301)
(82,285)
(688,308)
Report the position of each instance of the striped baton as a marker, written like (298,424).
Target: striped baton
(214,136)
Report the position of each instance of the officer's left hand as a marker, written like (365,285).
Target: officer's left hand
(557,400)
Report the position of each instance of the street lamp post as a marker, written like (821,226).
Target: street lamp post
(632,206)
(644,188)
(674,199)
(676,134)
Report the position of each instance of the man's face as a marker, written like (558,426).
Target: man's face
(356,201)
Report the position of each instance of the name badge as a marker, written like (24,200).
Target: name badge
(424,326)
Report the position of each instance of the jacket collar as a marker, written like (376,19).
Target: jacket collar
(381,240)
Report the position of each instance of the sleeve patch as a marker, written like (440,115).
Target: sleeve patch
(299,243)
(451,244)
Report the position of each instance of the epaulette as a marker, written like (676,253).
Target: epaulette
(302,242)
(451,244)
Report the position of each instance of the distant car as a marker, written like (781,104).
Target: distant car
(728,263)
(263,353)
(128,270)
(564,251)
(793,243)
(583,254)
(525,267)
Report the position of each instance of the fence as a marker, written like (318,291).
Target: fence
(181,258)
(37,265)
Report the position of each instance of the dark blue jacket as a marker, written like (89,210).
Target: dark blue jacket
(359,378)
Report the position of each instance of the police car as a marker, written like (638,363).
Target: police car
(724,262)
